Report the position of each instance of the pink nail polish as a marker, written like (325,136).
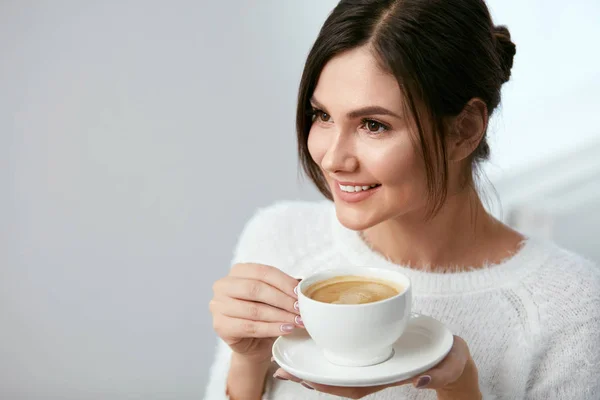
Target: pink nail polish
(287,327)
(298,320)
(307,386)
(296,290)
(296,306)
(423,381)
(281,378)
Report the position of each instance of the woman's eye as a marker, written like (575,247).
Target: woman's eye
(374,126)
(322,116)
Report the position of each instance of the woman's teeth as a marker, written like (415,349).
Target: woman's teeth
(352,189)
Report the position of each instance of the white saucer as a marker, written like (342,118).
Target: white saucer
(423,345)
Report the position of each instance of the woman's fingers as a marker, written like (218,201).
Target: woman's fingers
(228,327)
(253,311)
(267,274)
(286,376)
(345,392)
(256,291)
(447,371)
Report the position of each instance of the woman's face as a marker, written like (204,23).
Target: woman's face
(362,140)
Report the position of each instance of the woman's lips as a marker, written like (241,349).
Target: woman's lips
(352,192)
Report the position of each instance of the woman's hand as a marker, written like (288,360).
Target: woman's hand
(454,378)
(252,306)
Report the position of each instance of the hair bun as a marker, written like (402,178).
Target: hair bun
(506,49)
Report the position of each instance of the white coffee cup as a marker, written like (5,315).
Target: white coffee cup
(357,334)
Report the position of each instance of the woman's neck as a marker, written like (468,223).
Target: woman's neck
(461,235)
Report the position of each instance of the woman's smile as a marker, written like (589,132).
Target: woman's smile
(354,192)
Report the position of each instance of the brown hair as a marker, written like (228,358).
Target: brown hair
(443,54)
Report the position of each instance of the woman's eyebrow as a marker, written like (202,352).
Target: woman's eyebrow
(371,110)
(361,112)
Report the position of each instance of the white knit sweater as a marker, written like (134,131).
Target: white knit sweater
(532,322)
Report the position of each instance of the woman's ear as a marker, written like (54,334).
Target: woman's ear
(468,130)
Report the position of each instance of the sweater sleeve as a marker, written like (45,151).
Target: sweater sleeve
(569,366)
(486,394)
(217,379)
(568,361)
(256,245)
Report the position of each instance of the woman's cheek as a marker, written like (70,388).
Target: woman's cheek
(391,164)
(317,145)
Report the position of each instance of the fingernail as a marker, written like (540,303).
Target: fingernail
(281,378)
(298,320)
(296,306)
(287,327)
(423,381)
(306,385)
(272,359)
(296,290)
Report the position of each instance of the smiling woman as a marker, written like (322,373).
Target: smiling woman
(357,138)
(436,81)
(392,119)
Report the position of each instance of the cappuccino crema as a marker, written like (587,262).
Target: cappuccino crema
(351,289)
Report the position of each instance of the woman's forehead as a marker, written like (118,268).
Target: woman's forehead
(354,79)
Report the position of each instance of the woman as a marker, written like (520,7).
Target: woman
(392,116)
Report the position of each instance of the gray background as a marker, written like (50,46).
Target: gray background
(137,137)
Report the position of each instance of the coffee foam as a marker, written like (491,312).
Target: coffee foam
(364,294)
(352,290)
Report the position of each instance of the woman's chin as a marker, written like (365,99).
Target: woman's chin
(356,219)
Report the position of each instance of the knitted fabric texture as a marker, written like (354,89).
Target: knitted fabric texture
(532,322)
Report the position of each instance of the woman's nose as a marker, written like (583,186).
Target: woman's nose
(340,156)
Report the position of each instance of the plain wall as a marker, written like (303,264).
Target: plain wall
(137,137)
(550,104)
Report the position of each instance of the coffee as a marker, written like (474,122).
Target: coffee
(361,334)
(351,289)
